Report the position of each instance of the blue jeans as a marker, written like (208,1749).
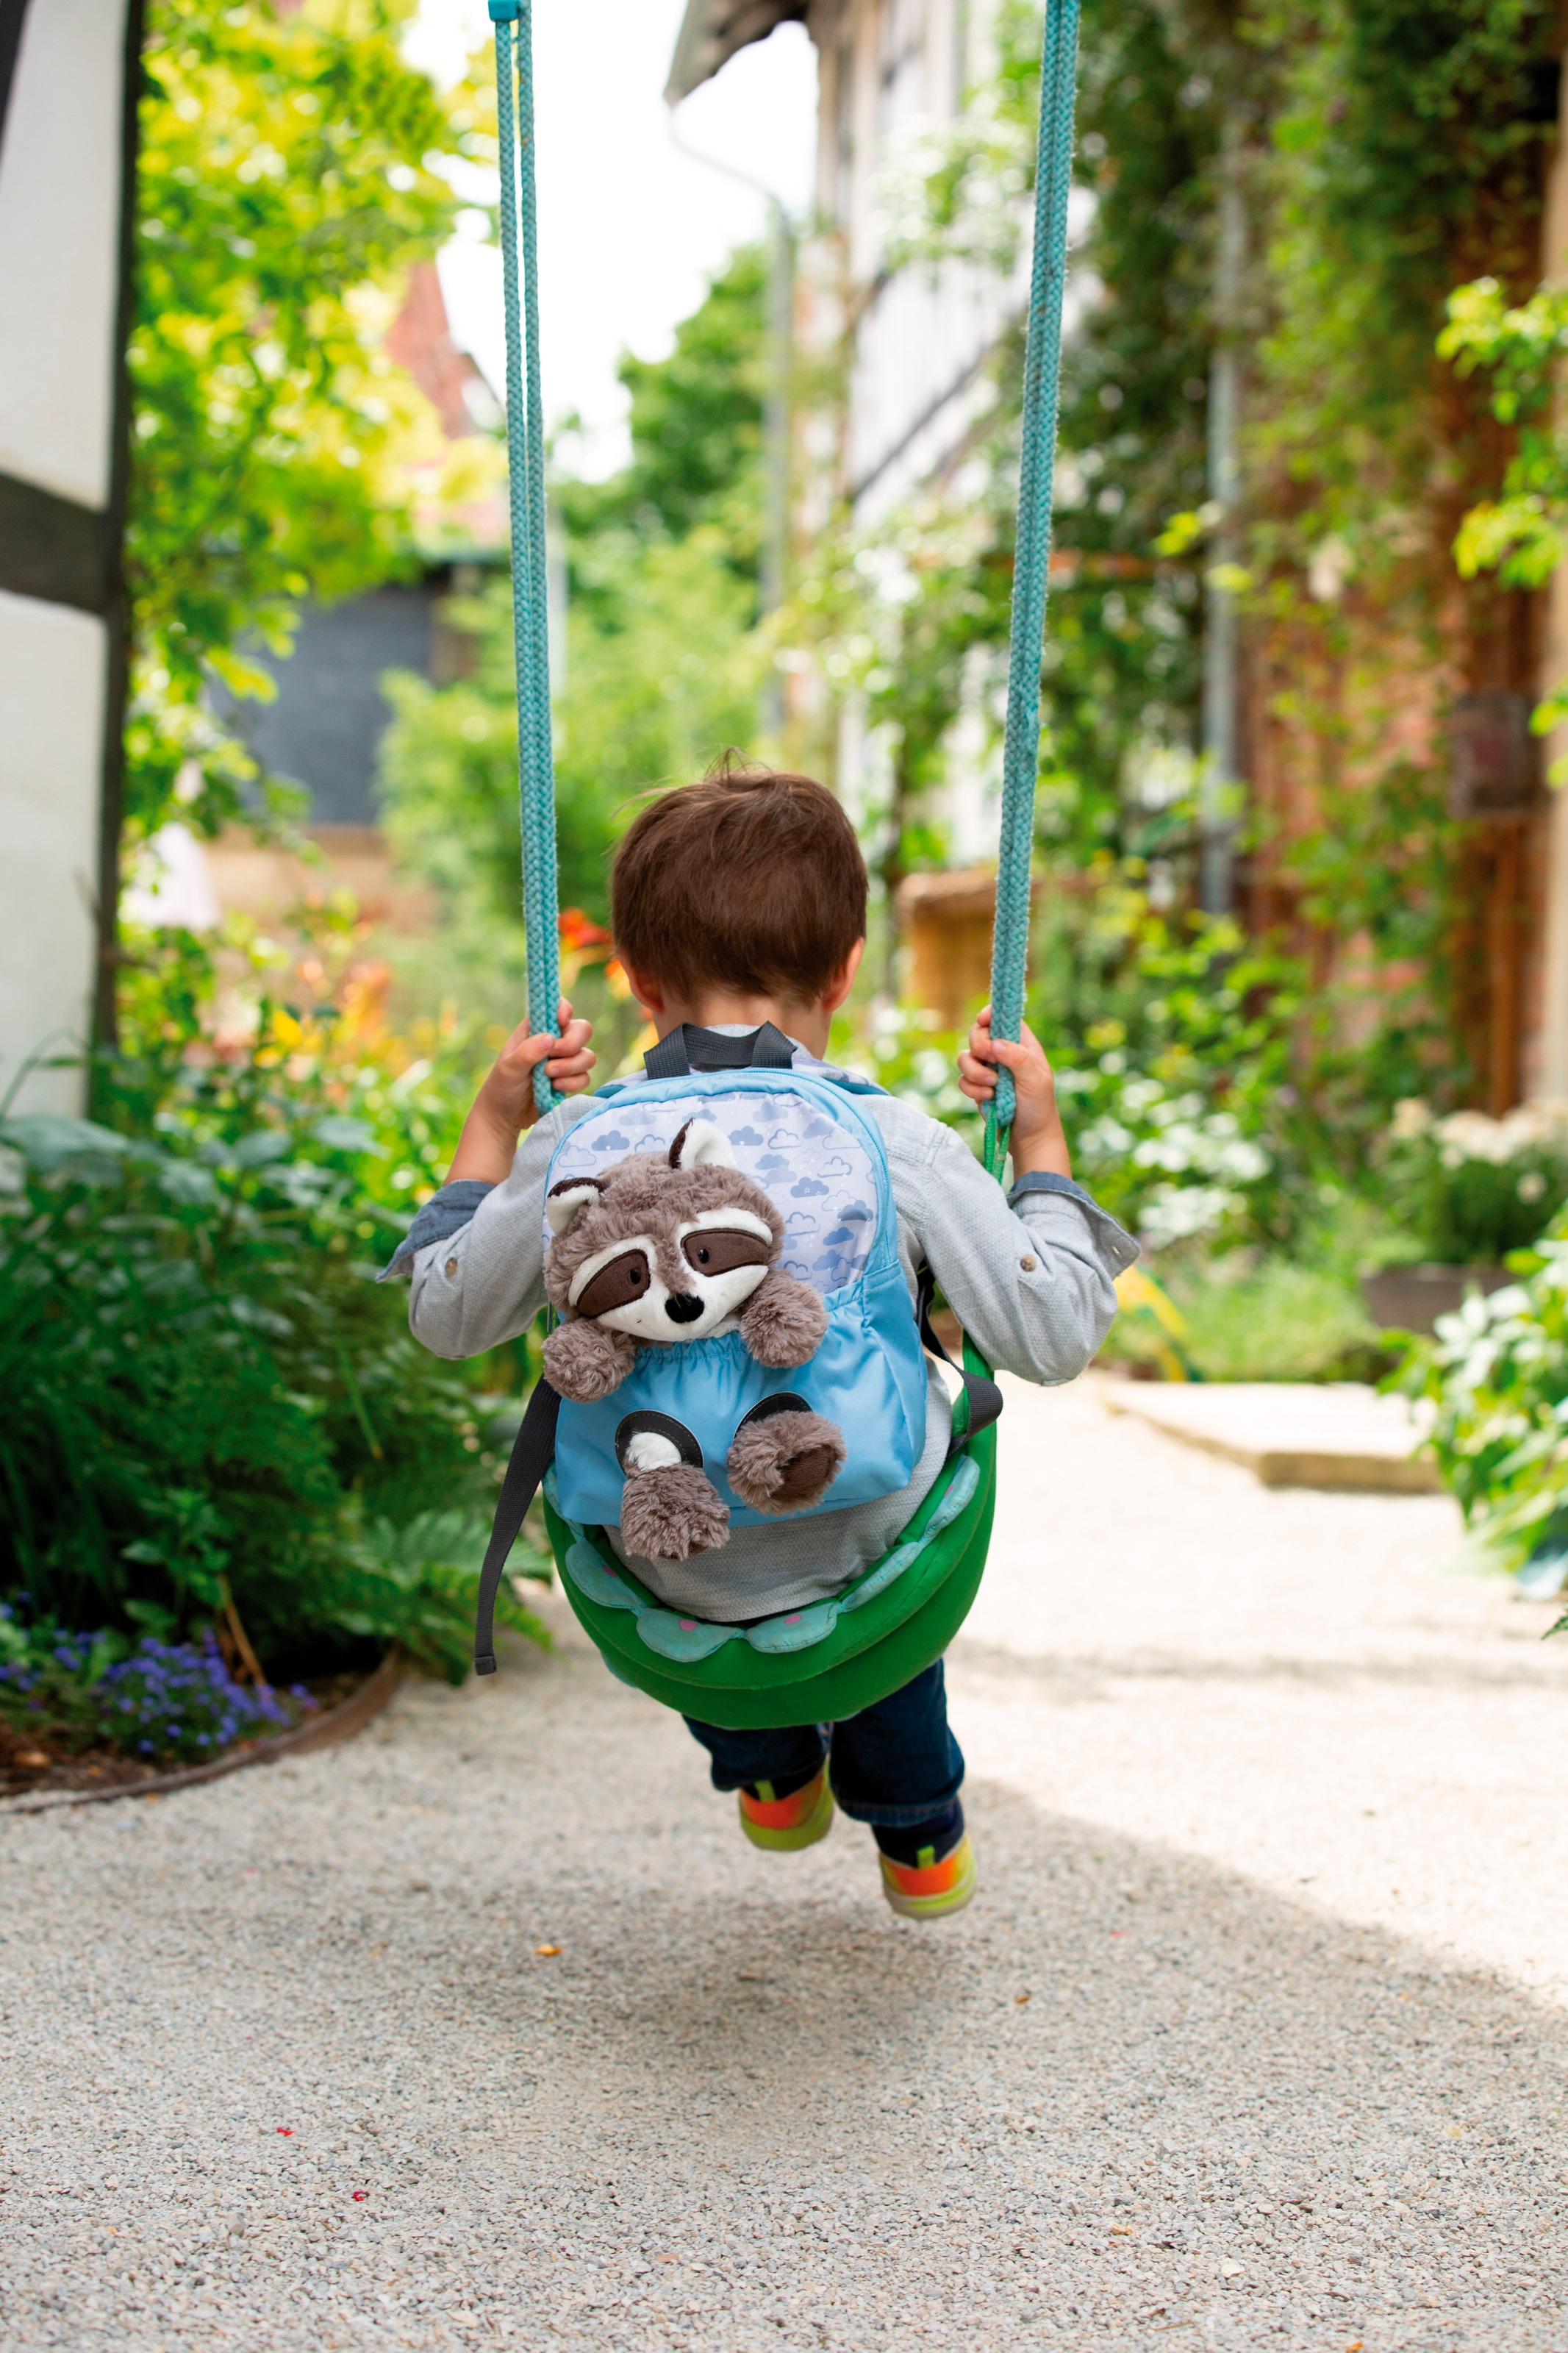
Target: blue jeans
(896,1763)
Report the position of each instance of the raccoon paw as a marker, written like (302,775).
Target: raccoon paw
(784,1460)
(585,1361)
(784,1321)
(671,1513)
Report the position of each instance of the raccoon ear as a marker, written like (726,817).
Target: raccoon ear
(700,1144)
(562,1203)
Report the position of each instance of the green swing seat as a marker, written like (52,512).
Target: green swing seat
(815,1665)
(821,1663)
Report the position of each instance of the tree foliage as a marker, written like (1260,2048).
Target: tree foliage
(1407,151)
(1521,534)
(287,181)
(663,667)
(695,430)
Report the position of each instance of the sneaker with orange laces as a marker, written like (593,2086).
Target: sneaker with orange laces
(931,1884)
(783,1825)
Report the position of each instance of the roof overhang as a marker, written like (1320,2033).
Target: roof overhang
(712,32)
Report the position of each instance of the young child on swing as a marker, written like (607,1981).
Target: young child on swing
(736,902)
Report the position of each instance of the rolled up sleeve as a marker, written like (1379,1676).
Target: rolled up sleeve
(1033,1281)
(483,1282)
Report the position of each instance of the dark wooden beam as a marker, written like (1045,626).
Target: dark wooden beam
(50,547)
(117,600)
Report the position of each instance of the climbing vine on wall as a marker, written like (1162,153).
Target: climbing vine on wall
(1385,151)
(1405,153)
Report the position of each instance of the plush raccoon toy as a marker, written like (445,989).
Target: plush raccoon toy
(664,1249)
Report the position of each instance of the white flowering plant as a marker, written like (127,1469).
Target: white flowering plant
(908,1052)
(1181,1166)
(1171,1036)
(1170,1039)
(1161,1154)
(1497,1372)
(1467,1189)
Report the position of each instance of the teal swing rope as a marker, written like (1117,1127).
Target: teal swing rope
(529,574)
(1032,557)
(525,451)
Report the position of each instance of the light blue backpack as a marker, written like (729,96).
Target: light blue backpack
(800,1135)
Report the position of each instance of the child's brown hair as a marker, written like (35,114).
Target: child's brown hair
(751,882)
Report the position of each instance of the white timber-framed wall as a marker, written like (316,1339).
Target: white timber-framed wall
(68,89)
(919,336)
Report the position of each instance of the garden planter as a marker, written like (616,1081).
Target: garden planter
(341,1723)
(1411,1298)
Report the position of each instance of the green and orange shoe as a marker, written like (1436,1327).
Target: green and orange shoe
(926,1888)
(783,1825)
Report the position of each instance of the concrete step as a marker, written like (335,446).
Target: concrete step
(1336,1434)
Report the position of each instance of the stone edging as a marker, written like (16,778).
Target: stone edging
(340,1723)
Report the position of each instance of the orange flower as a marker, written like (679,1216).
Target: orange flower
(579,932)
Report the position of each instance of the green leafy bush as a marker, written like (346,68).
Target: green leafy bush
(1497,1376)
(209,1393)
(1249,1319)
(1171,1036)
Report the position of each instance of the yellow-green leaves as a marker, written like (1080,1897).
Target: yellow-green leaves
(285,186)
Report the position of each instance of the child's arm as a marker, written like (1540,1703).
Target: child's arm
(476,1249)
(1030,1275)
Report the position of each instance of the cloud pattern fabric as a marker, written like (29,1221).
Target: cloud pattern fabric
(817,1173)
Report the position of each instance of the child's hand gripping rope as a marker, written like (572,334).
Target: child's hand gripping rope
(1038,1145)
(504,1106)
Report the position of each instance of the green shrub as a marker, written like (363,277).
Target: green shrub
(206,1385)
(1170,1039)
(1171,1036)
(1245,1320)
(1496,1374)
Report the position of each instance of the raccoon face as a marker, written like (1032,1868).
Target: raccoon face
(685,1282)
(662,1247)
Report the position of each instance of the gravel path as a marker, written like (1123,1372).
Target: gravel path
(1255,2038)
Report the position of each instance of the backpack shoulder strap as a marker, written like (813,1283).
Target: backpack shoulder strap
(688,1048)
(532,1450)
(981,1397)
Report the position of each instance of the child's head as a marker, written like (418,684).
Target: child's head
(750,884)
